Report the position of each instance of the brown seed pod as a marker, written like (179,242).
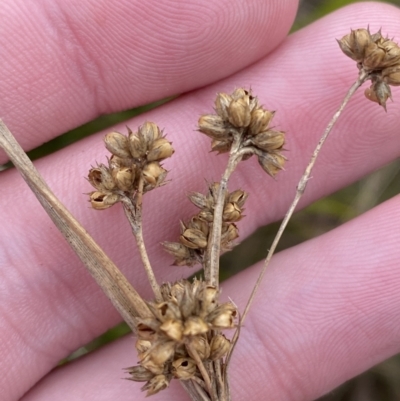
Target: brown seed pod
(156,384)
(101,179)
(239,113)
(222,103)
(193,238)
(101,201)
(154,174)
(139,374)
(117,144)
(213,126)
(260,120)
(124,178)
(149,132)
(160,149)
(184,368)
(219,347)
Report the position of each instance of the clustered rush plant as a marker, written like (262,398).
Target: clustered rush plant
(183,336)
(181,332)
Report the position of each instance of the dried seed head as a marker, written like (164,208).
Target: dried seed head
(173,329)
(223,317)
(231,213)
(194,326)
(101,201)
(159,150)
(158,355)
(379,92)
(221,146)
(271,163)
(142,346)
(199,200)
(222,103)
(260,120)
(269,141)
(374,55)
(154,174)
(184,368)
(156,384)
(239,112)
(139,374)
(229,233)
(213,126)
(194,239)
(124,178)
(239,197)
(201,346)
(199,224)
(391,76)
(219,347)
(149,132)
(101,179)
(137,146)
(117,144)
(177,250)
(355,43)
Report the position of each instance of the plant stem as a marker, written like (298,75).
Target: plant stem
(363,76)
(133,212)
(110,279)
(211,268)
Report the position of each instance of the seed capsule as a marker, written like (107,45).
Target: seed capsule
(160,149)
(149,132)
(139,374)
(156,384)
(153,173)
(219,347)
(222,103)
(193,238)
(213,126)
(184,368)
(101,201)
(117,144)
(260,120)
(101,179)
(239,113)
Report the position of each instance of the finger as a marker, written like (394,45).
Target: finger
(65,63)
(59,277)
(326,311)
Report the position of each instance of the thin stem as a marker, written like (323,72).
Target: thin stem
(133,212)
(194,354)
(363,76)
(211,268)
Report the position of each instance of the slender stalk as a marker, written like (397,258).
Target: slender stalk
(363,76)
(133,211)
(211,268)
(194,354)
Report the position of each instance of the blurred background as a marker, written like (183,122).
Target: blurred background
(381,383)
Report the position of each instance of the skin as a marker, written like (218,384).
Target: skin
(327,309)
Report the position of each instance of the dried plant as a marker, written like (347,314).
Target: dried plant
(181,332)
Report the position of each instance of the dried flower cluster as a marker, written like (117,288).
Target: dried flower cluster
(194,238)
(182,335)
(378,56)
(179,332)
(240,115)
(135,158)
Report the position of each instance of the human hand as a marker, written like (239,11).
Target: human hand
(327,309)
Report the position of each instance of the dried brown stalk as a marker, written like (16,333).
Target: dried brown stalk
(110,279)
(133,213)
